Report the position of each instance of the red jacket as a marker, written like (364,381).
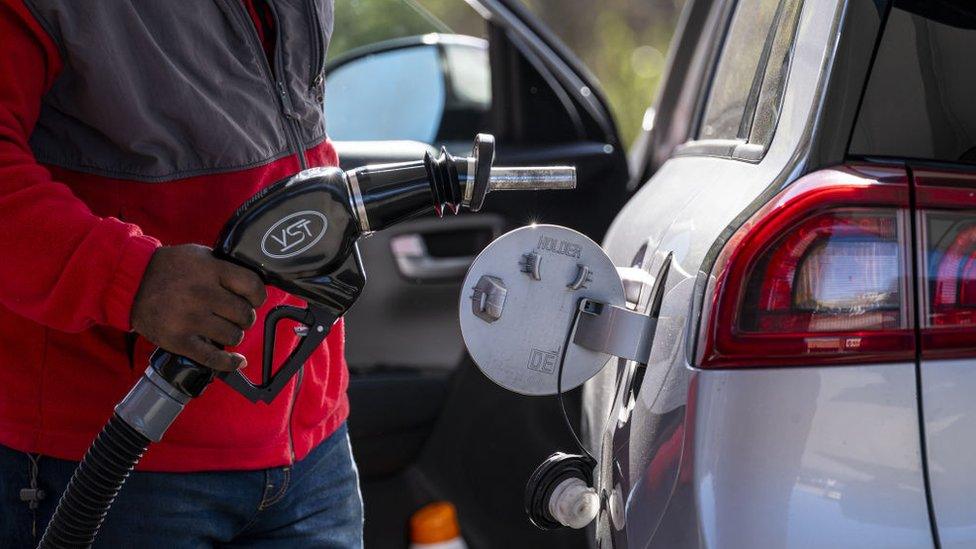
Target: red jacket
(73,249)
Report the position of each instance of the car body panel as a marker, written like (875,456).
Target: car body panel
(810,457)
(948,387)
(662,461)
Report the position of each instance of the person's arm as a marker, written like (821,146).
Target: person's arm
(65,267)
(60,265)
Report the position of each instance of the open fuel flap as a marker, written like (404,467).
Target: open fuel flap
(543,310)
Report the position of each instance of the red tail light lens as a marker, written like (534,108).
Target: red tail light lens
(817,276)
(954,292)
(947,223)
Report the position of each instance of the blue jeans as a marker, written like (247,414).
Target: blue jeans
(314,503)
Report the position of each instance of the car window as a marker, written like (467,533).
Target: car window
(773,81)
(746,92)
(363,22)
(623,42)
(919,101)
(386,60)
(361,107)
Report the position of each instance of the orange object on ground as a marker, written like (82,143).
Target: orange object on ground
(435,523)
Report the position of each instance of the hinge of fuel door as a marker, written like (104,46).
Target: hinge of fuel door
(614,330)
(621,331)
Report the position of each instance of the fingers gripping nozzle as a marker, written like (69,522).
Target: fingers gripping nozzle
(389,193)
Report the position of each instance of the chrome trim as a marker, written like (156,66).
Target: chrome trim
(356,201)
(151,405)
(531,178)
(469,179)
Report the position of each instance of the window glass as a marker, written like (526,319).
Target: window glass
(767,105)
(470,77)
(362,107)
(364,22)
(405,82)
(736,69)
(746,91)
(920,101)
(623,42)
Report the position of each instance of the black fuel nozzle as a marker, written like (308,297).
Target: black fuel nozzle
(386,194)
(300,236)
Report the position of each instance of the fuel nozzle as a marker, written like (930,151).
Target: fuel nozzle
(386,194)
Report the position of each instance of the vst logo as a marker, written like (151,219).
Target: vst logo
(293,234)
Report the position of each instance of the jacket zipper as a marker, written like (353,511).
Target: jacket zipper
(287,106)
(276,76)
(292,124)
(317,64)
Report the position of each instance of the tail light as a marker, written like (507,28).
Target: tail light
(947,226)
(819,275)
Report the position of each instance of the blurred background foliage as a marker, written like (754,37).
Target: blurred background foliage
(623,42)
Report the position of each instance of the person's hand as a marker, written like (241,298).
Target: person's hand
(191,303)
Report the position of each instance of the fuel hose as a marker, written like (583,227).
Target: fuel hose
(94,486)
(142,418)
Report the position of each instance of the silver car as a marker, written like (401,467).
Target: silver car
(812,382)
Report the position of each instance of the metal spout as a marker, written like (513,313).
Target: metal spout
(533,178)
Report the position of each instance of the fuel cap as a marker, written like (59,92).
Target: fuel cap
(518,303)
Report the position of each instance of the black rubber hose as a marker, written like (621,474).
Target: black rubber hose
(94,486)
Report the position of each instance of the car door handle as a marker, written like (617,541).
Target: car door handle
(415,262)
